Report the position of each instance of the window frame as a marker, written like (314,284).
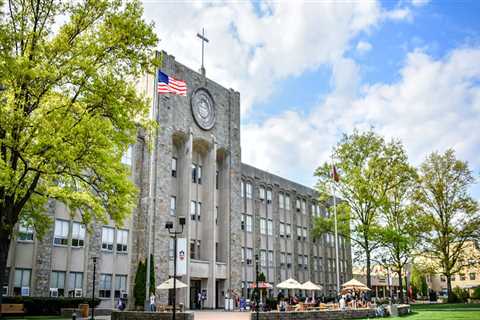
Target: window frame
(108,246)
(63,239)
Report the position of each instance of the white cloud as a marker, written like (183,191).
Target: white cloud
(399,14)
(434,106)
(420,3)
(249,50)
(363,47)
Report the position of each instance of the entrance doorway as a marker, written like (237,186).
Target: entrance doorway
(195,289)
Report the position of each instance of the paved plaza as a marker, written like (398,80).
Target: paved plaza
(220,315)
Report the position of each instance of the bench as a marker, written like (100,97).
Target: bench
(12,308)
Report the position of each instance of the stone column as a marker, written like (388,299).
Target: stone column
(208,219)
(184,176)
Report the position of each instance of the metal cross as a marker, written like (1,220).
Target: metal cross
(204,39)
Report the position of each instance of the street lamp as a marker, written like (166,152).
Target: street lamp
(174,232)
(93,290)
(257,293)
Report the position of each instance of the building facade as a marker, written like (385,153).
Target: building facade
(233,212)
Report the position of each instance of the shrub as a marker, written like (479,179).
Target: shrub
(476,293)
(37,306)
(461,295)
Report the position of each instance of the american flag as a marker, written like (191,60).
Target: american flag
(167,84)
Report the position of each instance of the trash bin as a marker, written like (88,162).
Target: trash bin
(230,304)
(225,304)
(83,309)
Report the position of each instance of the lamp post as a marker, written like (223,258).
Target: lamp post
(174,232)
(93,290)
(257,293)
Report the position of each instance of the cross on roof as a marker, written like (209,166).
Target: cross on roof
(204,39)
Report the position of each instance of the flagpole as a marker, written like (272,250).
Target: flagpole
(336,228)
(151,191)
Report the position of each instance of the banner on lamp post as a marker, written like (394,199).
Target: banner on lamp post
(181,256)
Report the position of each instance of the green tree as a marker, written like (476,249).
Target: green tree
(418,282)
(141,282)
(365,165)
(400,228)
(451,215)
(69,109)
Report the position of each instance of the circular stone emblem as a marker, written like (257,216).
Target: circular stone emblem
(203,109)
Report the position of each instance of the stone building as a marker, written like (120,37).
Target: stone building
(234,211)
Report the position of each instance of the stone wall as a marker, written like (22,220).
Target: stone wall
(315,315)
(140,315)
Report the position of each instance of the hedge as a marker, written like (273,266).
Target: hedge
(47,305)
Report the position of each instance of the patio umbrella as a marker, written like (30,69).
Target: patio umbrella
(289,284)
(261,285)
(355,284)
(309,285)
(169,284)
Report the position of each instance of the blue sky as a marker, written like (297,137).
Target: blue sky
(307,72)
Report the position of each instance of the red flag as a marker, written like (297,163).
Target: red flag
(335,175)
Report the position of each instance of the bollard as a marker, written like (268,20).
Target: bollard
(74,316)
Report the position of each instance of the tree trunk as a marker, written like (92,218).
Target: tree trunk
(369,278)
(449,289)
(400,284)
(4,247)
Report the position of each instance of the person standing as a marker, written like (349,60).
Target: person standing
(152,302)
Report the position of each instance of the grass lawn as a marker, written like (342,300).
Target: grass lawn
(448,311)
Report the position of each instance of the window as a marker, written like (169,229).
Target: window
(243,254)
(270,227)
(472,275)
(122,240)
(107,238)
(21,283)
(78,234)
(173,205)
(304,233)
(194,173)
(174,167)
(57,283)
(199,174)
(199,210)
(270,258)
(288,230)
(194,249)
(193,208)
(263,258)
(61,232)
(263,226)
(304,207)
(462,277)
(281,201)
(261,193)
(269,196)
(298,205)
(249,223)
(120,285)
(249,190)
(216,179)
(282,229)
(75,283)
(216,215)
(25,233)
(4,286)
(249,255)
(242,223)
(282,259)
(453,277)
(105,285)
(305,262)
(242,189)
(289,260)
(287,202)
(127,156)
(300,261)
(315,264)
(299,233)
